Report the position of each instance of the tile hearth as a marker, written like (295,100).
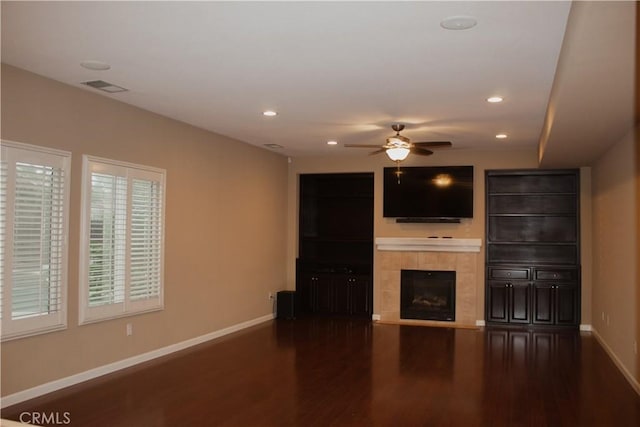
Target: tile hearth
(428,254)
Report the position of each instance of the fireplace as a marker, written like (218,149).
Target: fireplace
(428,295)
(394,254)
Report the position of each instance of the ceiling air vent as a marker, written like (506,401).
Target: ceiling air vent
(274,146)
(105,86)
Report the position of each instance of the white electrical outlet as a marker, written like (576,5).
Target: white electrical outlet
(603,315)
(129,329)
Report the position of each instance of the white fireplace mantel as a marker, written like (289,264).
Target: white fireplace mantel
(428,244)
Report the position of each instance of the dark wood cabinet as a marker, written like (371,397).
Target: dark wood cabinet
(556,297)
(334,266)
(307,289)
(508,295)
(533,247)
(508,299)
(335,293)
(340,295)
(360,296)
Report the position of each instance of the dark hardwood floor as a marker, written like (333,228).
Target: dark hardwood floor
(345,372)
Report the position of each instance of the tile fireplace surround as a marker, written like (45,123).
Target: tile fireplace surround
(410,253)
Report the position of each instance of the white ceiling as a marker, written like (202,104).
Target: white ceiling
(332,70)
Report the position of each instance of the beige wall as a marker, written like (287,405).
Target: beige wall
(615,250)
(225,225)
(586,246)
(384,227)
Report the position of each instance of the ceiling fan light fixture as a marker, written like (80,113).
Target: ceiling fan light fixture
(398,147)
(397,154)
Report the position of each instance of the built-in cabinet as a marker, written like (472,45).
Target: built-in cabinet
(334,266)
(533,247)
(556,296)
(335,293)
(508,296)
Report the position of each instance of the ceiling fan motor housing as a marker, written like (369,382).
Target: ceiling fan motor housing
(397,127)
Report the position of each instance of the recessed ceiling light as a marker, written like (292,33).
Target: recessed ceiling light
(332,142)
(501,135)
(269,113)
(91,64)
(274,146)
(495,99)
(458,22)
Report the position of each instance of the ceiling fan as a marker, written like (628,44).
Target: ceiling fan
(398,147)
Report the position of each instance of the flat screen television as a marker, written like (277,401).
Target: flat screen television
(428,192)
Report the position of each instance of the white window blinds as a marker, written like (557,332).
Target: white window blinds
(34,191)
(146,239)
(107,239)
(123,234)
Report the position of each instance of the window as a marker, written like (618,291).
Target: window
(34,206)
(121,257)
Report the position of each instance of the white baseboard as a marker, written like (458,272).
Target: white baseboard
(375,317)
(634,383)
(586,328)
(480,323)
(52,386)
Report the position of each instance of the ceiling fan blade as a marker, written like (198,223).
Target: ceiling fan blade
(421,151)
(382,150)
(433,144)
(361,146)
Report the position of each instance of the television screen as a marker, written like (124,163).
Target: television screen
(428,192)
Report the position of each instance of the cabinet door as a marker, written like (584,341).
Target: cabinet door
(566,307)
(307,288)
(324,294)
(340,294)
(519,302)
(497,300)
(555,303)
(359,296)
(508,302)
(543,303)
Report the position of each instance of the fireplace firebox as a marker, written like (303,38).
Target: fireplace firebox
(428,295)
